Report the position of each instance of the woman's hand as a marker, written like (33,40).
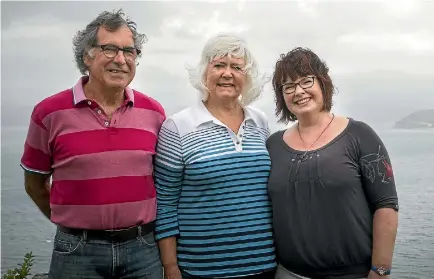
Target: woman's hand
(373,275)
(172,272)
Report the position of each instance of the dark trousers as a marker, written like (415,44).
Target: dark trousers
(265,275)
(77,257)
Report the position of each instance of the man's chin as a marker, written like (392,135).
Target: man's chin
(117,84)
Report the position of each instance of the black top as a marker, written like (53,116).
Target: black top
(323,207)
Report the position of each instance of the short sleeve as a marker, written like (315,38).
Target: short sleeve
(376,169)
(168,173)
(37,155)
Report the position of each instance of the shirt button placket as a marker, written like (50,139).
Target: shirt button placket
(106,122)
(239,139)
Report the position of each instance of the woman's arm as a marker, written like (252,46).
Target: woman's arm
(379,185)
(168,173)
(384,235)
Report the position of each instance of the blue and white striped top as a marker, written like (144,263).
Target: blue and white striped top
(212,193)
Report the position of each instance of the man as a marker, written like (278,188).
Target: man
(96,141)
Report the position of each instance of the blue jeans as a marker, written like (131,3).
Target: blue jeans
(79,257)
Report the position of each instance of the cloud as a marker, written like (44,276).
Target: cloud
(413,43)
(378,51)
(147,12)
(402,8)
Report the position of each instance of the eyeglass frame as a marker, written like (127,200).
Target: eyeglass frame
(299,83)
(125,49)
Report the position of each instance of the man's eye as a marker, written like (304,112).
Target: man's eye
(110,48)
(129,50)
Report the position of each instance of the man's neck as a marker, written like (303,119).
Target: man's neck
(106,97)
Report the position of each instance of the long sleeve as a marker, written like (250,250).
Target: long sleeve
(168,173)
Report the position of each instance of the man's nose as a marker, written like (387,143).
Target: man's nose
(120,58)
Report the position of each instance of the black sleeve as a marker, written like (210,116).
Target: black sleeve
(273,139)
(376,169)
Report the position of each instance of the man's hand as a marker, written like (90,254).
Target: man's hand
(172,272)
(37,187)
(373,275)
(48,184)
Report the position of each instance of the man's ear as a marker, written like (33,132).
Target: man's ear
(88,57)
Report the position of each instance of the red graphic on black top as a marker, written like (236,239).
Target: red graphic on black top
(388,170)
(372,168)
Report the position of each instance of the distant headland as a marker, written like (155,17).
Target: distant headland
(422,119)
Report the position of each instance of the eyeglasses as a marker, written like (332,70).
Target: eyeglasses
(305,83)
(110,51)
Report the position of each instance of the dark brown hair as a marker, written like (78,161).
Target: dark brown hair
(300,62)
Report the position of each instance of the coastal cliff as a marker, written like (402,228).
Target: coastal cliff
(422,119)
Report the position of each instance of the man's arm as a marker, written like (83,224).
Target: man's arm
(36,188)
(384,235)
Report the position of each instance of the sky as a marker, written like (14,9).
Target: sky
(380,53)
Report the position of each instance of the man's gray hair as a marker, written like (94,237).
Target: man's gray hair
(85,39)
(220,46)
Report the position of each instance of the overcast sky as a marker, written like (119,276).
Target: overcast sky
(381,53)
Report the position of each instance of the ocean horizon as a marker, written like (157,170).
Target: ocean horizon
(25,229)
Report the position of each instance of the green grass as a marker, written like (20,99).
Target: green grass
(23,269)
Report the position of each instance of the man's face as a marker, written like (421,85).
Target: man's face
(112,68)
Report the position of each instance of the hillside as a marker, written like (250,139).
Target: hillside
(422,119)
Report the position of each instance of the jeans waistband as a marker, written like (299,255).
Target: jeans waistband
(121,235)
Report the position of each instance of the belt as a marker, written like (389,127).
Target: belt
(111,235)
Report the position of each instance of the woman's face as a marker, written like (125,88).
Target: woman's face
(225,77)
(303,95)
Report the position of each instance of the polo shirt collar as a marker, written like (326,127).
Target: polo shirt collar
(202,115)
(79,97)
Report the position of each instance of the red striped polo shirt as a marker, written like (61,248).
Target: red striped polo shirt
(101,168)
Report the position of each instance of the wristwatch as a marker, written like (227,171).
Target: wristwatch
(382,271)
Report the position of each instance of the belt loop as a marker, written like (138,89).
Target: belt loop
(139,231)
(84,235)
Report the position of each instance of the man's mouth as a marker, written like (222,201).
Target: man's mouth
(117,71)
(225,84)
(303,101)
